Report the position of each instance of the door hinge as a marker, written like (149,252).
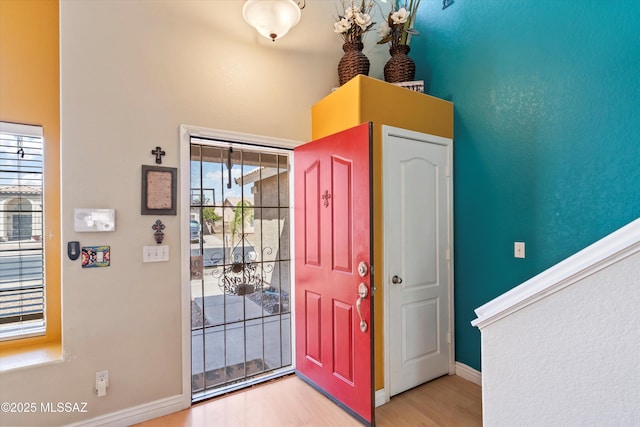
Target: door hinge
(448,337)
(447,172)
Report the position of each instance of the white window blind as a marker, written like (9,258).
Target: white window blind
(22,284)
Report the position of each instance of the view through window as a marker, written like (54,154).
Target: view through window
(22,284)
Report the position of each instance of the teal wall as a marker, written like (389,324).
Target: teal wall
(547,133)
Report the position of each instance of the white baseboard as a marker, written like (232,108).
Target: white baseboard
(468,373)
(136,414)
(381,397)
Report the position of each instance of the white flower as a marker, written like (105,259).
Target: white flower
(351,11)
(363,20)
(342,26)
(385,29)
(400,16)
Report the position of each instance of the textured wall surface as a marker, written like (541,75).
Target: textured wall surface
(547,149)
(569,360)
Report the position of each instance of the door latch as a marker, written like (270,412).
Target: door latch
(363,291)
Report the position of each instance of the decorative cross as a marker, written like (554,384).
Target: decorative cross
(158,152)
(158,227)
(326,196)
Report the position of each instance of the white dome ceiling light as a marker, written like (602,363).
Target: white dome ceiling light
(272,18)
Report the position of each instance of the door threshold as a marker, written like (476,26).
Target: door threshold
(217,392)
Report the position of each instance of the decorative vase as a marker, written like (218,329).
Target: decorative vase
(399,68)
(353,62)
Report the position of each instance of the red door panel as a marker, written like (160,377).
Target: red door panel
(313,339)
(342,215)
(333,236)
(311,215)
(343,341)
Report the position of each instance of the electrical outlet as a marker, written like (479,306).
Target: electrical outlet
(518,249)
(102,376)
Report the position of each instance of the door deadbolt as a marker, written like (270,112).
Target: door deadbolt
(363,269)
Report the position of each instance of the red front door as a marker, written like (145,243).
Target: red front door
(332,268)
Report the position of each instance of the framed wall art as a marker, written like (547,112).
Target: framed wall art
(159,189)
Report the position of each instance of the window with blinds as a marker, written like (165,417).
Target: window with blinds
(22,284)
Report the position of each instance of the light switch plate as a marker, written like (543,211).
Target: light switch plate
(96,256)
(159,253)
(518,249)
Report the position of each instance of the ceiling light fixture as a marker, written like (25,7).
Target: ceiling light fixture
(272,18)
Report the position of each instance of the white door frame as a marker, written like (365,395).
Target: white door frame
(186,132)
(387,132)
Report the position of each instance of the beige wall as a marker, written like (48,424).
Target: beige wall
(131,73)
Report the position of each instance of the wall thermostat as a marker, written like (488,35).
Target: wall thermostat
(94,220)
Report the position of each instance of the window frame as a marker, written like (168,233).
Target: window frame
(50,338)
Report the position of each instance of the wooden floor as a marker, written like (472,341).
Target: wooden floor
(446,401)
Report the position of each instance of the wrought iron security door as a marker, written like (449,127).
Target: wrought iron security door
(240,287)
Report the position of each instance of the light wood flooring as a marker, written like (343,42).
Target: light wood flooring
(289,401)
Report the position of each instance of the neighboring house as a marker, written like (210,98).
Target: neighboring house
(20,213)
(227,213)
(271,217)
(268,184)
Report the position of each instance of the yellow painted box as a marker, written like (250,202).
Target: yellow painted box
(365,99)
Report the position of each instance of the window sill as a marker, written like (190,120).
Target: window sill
(29,356)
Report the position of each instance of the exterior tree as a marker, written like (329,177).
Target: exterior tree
(243,216)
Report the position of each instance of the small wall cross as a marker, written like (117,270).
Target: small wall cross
(158,227)
(158,152)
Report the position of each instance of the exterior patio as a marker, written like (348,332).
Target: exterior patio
(235,337)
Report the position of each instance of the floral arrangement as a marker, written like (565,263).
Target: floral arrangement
(355,21)
(399,25)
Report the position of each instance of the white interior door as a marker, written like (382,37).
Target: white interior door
(418,241)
